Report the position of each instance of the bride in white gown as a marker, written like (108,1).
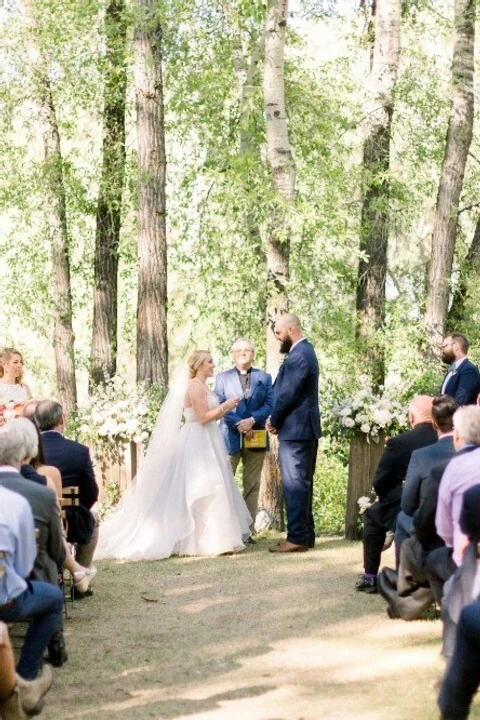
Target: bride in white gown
(184,500)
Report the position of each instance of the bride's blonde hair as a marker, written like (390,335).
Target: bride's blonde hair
(5,355)
(195,359)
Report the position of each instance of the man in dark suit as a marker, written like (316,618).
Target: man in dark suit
(73,461)
(255,388)
(420,465)
(462,379)
(295,419)
(388,482)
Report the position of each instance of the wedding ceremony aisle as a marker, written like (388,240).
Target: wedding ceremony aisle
(253,636)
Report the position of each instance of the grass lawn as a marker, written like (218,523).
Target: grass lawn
(253,636)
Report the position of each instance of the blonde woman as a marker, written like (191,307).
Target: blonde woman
(13,392)
(184,500)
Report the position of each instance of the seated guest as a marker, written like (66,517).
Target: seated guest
(461,474)
(421,462)
(42,500)
(388,481)
(462,678)
(464,585)
(411,592)
(73,461)
(39,603)
(461,634)
(19,697)
(462,379)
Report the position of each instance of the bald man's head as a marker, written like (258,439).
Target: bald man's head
(420,409)
(288,330)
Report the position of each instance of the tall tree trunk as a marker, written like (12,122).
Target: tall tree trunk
(282,166)
(459,137)
(103,358)
(55,220)
(372,270)
(470,266)
(152,350)
(63,337)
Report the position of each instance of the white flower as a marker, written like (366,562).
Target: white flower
(361,418)
(382,417)
(348,422)
(364,502)
(365,428)
(344,412)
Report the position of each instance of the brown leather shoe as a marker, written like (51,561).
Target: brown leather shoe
(287,547)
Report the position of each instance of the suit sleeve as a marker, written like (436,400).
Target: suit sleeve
(90,487)
(55,540)
(385,475)
(299,370)
(410,493)
(261,414)
(468,384)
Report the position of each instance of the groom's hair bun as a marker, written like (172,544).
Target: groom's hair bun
(195,359)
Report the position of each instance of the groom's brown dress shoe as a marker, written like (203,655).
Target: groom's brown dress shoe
(288,547)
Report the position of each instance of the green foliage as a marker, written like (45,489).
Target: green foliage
(329,492)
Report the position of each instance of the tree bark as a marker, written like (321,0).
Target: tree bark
(459,137)
(55,221)
(63,337)
(103,357)
(282,167)
(152,349)
(372,270)
(470,266)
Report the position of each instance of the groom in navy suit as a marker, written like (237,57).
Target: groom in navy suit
(295,419)
(255,388)
(462,379)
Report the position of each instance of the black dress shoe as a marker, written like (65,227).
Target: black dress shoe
(366,584)
(57,650)
(77,595)
(250,541)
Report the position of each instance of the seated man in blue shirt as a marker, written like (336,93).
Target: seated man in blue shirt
(20,599)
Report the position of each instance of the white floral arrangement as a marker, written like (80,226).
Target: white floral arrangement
(370,413)
(117,413)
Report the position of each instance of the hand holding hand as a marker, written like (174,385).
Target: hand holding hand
(245,425)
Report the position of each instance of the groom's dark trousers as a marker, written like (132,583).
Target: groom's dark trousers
(296,417)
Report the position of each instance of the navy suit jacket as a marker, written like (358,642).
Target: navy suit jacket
(295,412)
(421,463)
(464,384)
(258,405)
(73,461)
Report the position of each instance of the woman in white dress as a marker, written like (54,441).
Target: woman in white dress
(13,393)
(184,500)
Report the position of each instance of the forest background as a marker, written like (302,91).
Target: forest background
(131,233)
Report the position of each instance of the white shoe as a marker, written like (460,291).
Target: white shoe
(83,578)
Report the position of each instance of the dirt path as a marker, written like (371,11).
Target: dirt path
(250,637)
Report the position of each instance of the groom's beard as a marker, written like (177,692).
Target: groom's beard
(285,346)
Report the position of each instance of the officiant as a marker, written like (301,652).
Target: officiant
(243,429)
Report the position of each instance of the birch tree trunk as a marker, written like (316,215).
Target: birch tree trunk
(459,137)
(372,270)
(282,167)
(152,350)
(103,357)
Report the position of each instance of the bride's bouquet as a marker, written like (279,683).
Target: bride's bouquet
(10,410)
